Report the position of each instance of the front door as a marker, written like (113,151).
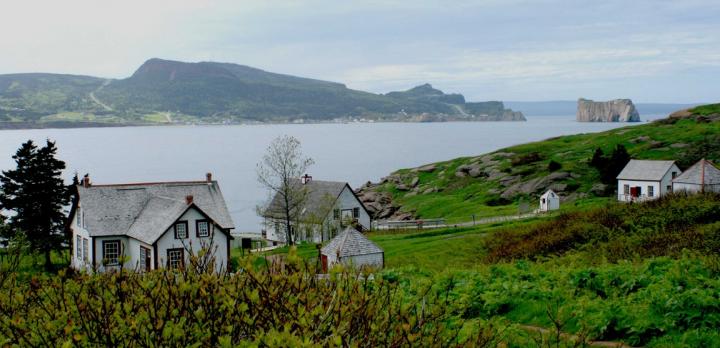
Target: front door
(324,260)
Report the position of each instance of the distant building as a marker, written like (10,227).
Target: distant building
(330,207)
(148,225)
(352,248)
(549,201)
(703,176)
(643,180)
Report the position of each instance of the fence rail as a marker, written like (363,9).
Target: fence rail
(441,223)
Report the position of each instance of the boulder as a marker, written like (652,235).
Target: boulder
(679,145)
(414,182)
(427,169)
(599,189)
(618,110)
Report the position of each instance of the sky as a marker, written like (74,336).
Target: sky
(513,50)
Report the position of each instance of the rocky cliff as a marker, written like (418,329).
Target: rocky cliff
(618,110)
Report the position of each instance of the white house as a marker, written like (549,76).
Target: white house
(643,180)
(703,176)
(549,201)
(145,226)
(330,206)
(352,248)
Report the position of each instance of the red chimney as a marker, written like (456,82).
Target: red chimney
(189,199)
(208,177)
(86,181)
(305,179)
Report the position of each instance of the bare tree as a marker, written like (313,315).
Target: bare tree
(279,171)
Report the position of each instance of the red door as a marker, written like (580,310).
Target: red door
(323,259)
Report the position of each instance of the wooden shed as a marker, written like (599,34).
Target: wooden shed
(352,248)
(549,201)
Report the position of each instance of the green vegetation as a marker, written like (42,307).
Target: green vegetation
(706,110)
(509,176)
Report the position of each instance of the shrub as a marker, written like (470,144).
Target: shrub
(554,166)
(526,158)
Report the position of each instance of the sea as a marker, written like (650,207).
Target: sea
(351,152)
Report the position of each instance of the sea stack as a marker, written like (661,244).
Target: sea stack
(618,110)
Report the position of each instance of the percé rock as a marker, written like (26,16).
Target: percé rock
(618,110)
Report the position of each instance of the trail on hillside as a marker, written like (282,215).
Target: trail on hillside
(96,100)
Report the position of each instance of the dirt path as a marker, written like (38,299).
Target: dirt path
(96,100)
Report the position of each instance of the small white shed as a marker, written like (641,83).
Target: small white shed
(351,247)
(703,176)
(549,201)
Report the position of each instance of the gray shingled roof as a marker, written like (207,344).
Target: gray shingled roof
(319,192)
(695,174)
(645,170)
(145,211)
(350,242)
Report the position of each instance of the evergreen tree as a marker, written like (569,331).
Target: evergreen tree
(598,160)
(36,193)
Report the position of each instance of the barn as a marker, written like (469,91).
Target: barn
(352,248)
(703,176)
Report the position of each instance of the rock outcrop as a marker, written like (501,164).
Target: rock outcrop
(618,110)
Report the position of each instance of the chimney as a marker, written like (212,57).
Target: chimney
(305,179)
(189,199)
(208,177)
(86,181)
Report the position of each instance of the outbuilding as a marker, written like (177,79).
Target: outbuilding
(549,201)
(352,248)
(703,176)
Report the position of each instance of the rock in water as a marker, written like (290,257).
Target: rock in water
(618,110)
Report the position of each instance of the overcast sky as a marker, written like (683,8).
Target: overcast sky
(650,51)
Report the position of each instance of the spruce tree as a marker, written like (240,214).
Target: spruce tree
(36,193)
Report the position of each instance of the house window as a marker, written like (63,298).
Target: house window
(78,248)
(203,228)
(651,191)
(356,213)
(626,189)
(175,258)
(111,252)
(668,188)
(78,219)
(85,250)
(181,230)
(144,263)
(336,214)
(674,174)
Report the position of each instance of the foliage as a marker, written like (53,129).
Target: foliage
(610,167)
(708,148)
(275,306)
(526,158)
(554,166)
(706,110)
(620,231)
(35,192)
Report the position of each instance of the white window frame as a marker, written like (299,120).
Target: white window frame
(114,261)
(185,228)
(85,250)
(78,247)
(175,260)
(198,225)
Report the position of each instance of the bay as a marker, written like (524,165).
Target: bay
(352,152)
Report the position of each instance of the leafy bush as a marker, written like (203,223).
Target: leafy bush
(526,158)
(280,305)
(554,166)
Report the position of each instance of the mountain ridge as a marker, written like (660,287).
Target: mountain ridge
(213,92)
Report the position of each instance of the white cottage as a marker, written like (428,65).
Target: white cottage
(352,248)
(330,207)
(145,226)
(703,176)
(643,180)
(549,201)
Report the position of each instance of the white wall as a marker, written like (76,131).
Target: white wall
(218,246)
(694,187)
(347,200)
(625,196)
(79,230)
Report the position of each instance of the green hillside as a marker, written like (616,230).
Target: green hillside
(162,91)
(501,182)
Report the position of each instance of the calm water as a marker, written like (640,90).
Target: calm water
(344,152)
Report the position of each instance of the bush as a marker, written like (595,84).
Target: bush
(526,158)
(554,166)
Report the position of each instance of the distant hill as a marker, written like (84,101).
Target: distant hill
(208,92)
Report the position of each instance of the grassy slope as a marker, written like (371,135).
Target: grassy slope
(459,198)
